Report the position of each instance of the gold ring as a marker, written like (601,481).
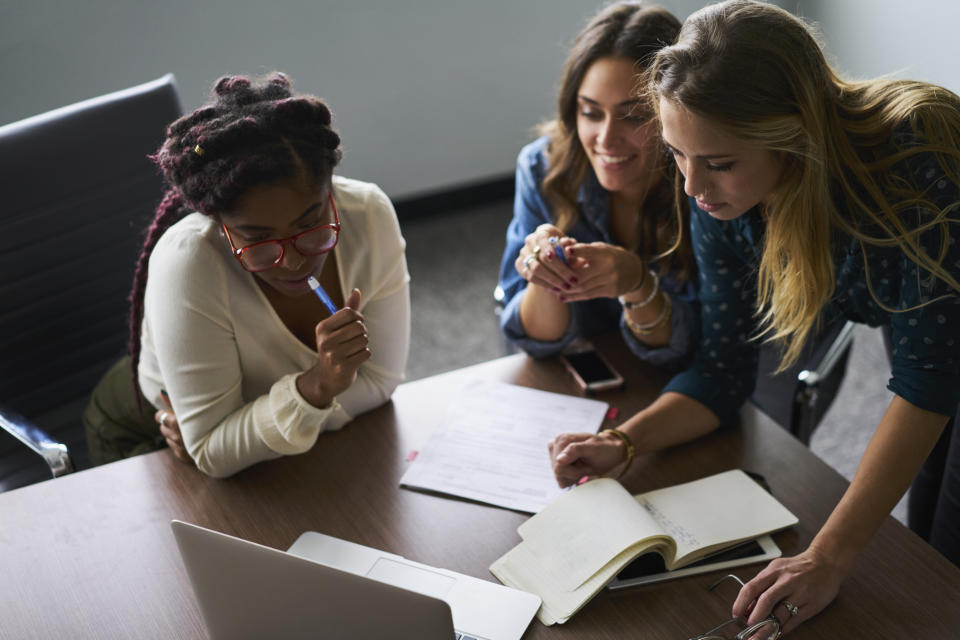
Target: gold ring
(792,608)
(536,252)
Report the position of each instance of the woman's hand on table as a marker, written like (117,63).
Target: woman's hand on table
(604,271)
(793,589)
(341,349)
(575,455)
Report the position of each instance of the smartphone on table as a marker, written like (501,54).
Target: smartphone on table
(591,371)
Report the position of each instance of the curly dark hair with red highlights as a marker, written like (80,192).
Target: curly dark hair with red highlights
(252,133)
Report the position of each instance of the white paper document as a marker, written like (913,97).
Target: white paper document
(491,445)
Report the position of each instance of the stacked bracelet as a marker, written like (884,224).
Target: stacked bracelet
(626,441)
(650,327)
(653,292)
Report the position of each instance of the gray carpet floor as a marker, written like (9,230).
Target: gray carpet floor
(454,260)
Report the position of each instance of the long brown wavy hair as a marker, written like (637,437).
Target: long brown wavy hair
(634,31)
(758,73)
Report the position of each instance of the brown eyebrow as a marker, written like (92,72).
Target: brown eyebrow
(626,103)
(247,228)
(713,156)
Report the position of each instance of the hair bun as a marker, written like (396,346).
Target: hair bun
(231,84)
(279,78)
(307,108)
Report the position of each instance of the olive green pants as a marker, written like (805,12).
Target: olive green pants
(116,428)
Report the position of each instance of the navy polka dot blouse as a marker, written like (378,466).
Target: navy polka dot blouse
(925,327)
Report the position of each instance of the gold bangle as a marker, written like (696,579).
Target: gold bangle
(647,329)
(626,441)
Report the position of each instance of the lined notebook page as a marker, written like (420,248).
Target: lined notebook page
(716,510)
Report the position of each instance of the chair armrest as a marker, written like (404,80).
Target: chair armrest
(54,453)
(819,380)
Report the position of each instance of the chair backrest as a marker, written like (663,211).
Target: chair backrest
(76,192)
(798,397)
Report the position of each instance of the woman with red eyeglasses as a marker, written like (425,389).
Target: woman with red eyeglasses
(239,358)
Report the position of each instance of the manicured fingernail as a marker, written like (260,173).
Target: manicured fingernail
(549,255)
(569,251)
(574,280)
(561,299)
(555,290)
(566,285)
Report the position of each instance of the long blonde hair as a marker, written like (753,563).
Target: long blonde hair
(633,31)
(758,73)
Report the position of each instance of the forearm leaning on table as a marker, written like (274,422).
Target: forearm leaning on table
(543,317)
(671,419)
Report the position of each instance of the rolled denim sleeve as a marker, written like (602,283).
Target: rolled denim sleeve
(530,210)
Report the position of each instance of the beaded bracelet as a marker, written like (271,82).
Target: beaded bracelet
(626,441)
(647,329)
(636,305)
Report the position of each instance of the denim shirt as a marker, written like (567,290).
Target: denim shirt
(926,340)
(590,317)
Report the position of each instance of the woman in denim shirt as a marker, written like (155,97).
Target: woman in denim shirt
(594,208)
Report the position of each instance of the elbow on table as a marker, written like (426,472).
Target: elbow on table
(213,468)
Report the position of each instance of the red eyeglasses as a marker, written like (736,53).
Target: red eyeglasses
(267,254)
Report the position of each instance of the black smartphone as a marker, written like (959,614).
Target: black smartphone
(591,370)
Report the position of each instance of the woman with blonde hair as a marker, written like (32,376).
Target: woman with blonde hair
(594,210)
(811,196)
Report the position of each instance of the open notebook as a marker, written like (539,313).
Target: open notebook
(578,543)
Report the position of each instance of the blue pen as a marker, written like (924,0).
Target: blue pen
(558,249)
(324,298)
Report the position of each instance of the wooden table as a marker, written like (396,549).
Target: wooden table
(91,555)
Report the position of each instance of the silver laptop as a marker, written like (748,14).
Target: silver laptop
(324,587)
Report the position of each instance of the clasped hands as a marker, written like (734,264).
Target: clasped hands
(593,270)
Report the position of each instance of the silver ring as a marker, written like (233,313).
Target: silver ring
(163,417)
(528,260)
(792,608)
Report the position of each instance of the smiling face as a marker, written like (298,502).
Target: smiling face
(614,127)
(278,210)
(726,175)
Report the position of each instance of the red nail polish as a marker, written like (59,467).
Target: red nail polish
(574,280)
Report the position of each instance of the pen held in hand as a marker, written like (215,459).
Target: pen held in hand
(558,249)
(324,298)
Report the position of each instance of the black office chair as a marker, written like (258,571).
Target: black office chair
(798,398)
(77,190)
